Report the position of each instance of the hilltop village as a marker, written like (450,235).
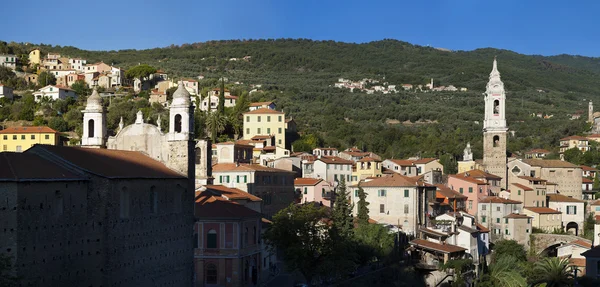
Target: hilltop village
(150,204)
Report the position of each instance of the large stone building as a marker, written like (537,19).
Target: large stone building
(494,127)
(95,217)
(565,175)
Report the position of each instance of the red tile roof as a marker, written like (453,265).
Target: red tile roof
(579,262)
(334,160)
(543,210)
(28,130)
(597,202)
(515,215)
(549,163)
(209,206)
(468,178)
(475,173)
(447,192)
(394,180)
(264,111)
(562,198)
(368,159)
(588,168)
(307,181)
(531,178)
(523,187)
(574,138)
(495,199)
(232,167)
(538,150)
(445,248)
(423,160)
(26,166)
(582,243)
(230,193)
(109,163)
(482,228)
(586,180)
(402,162)
(258,104)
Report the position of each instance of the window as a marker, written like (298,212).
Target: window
(406,209)
(496,140)
(460,190)
(211,239)
(14,137)
(406,193)
(19,149)
(483,207)
(381,193)
(268,131)
(258,119)
(279,119)
(382,208)
(519,192)
(497,220)
(278,130)
(211,274)
(247,118)
(470,204)
(571,209)
(32,137)
(279,141)
(90,128)
(177,123)
(305,190)
(5,137)
(506,231)
(268,119)
(258,130)
(481,190)
(538,192)
(356,194)
(496,107)
(528,220)
(527,230)
(483,219)
(22,137)
(498,208)
(506,220)
(4,147)
(470,190)
(247,131)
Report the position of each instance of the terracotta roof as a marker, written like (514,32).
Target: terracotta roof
(531,178)
(445,248)
(482,228)
(264,111)
(495,199)
(433,232)
(543,210)
(369,159)
(538,150)
(586,180)
(393,180)
(468,178)
(402,162)
(574,138)
(423,160)
(356,153)
(468,229)
(232,167)
(523,187)
(549,163)
(28,130)
(475,173)
(447,192)
(334,160)
(326,148)
(109,163)
(32,167)
(258,104)
(515,215)
(582,243)
(562,198)
(307,181)
(209,206)
(579,262)
(588,168)
(261,137)
(597,202)
(230,193)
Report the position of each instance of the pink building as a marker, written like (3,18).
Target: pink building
(475,189)
(313,189)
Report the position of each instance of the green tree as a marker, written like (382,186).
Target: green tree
(596,185)
(81,88)
(140,72)
(343,222)
(553,272)
(460,267)
(222,98)
(449,163)
(6,74)
(509,248)
(298,231)
(504,273)
(374,241)
(58,124)
(215,122)
(363,207)
(27,111)
(46,78)
(573,155)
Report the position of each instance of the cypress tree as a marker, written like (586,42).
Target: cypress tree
(342,211)
(222,97)
(363,209)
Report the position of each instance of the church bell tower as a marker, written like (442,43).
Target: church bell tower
(494,127)
(94,123)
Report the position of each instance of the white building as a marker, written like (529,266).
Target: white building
(6,92)
(9,61)
(230,101)
(330,168)
(77,64)
(401,166)
(572,209)
(505,219)
(54,93)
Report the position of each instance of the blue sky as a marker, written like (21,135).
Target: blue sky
(531,27)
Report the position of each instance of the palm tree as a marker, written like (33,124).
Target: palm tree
(504,272)
(233,120)
(216,124)
(553,271)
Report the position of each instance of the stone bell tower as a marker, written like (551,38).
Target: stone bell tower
(494,127)
(94,123)
(180,139)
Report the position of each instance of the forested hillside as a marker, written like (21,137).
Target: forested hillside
(299,75)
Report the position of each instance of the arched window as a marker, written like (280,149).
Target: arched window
(198,155)
(496,141)
(496,107)
(177,123)
(211,274)
(90,128)
(211,239)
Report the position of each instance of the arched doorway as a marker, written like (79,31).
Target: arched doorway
(573,228)
(210,276)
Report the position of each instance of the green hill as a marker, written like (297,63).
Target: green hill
(299,75)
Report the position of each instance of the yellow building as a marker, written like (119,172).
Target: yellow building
(19,139)
(366,167)
(262,122)
(35,57)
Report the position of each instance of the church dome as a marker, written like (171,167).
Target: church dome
(181,97)
(94,101)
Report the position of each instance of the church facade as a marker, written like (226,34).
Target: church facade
(495,127)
